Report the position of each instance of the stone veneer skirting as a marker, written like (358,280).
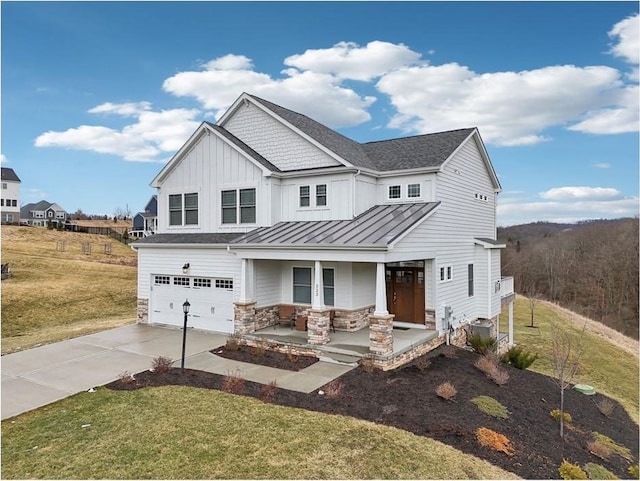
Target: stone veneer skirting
(142,311)
(344,319)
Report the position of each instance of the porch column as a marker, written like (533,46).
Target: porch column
(317,296)
(381,291)
(244,312)
(511,323)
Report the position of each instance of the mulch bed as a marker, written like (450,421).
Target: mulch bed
(405,398)
(266,358)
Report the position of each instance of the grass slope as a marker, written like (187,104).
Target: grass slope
(185,433)
(54,294)
(605,366)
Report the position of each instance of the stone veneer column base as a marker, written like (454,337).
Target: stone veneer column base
(244,317)
(381,334)
(142,311)
(318,325)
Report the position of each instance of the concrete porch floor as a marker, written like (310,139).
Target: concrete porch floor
(354,343)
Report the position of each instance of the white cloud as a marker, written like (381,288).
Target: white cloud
(602,165)
(622,118)
(225,78)
(572,193)
(154,133)
(3,159)
(348,60)
(513,213)
(510,108)
(129,109)
(627,37)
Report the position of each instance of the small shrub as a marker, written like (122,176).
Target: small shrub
(555,414)
(126,377)
(161,364)
(519,358)
(571,471)
(422,363)
(489,366)
(333,389)
(496,441)
(449,352)
(367,363)
(233,383)
(599,450)
(269,392)
(483,344)
(606,406)
(616,448)
(634,471)
(490,406)
(259,349)
(232,344)
(595,471)
(446,391)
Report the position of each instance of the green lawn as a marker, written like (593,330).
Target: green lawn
(186,433)
(610,370)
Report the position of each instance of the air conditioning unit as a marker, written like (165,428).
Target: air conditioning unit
(482,327)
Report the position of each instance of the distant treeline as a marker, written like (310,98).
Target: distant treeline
(590,267)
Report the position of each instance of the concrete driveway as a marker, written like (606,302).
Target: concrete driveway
(42,375)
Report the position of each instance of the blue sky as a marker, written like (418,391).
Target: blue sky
(96,96)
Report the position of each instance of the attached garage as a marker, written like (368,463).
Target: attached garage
(211,300)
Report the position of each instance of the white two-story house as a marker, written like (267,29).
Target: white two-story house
(10,198)
(269,208)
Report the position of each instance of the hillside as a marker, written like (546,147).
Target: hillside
(58,291)
(589,267)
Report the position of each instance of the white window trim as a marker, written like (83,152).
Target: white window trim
(183,219)
(313,197)
(389,192)
(237,189)
(293,301)
(474,279)
(447,269)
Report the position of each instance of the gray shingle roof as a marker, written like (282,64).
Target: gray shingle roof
(9,174)
(219,238)
(377,227)
(429,150)
(244,147)
(492,242)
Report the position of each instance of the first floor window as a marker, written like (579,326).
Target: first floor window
(175,209)
(446,273)
(328,281)
(321,195)
(305,200)
(394,192)
(1,202)
(470,279)
(302,285)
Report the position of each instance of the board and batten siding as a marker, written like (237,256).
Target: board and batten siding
(214,262)
(448,235)
(211,166)
(275,141)
(339,198)
(365,193)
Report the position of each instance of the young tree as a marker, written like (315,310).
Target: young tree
(566,351)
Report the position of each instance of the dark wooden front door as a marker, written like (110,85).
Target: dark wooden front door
(405,293)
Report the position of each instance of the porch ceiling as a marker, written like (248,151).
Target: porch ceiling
(378,227)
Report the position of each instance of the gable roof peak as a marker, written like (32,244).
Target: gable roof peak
(9,174)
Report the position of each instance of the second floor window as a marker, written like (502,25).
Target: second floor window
(189,213)
(321,195)
(413,190)
(305,199)
(394,192)
(238,206)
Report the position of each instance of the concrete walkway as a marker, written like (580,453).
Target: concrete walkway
(39,376)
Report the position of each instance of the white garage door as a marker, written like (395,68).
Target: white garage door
(211,302)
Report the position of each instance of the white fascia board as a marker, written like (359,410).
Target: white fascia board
(483,153)
(487,245)
(336,255)
(419,170)
(416,224)
(244,97)
(137,245)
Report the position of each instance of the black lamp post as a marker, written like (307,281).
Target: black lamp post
(185,309)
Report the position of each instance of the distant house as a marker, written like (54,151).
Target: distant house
(146,223)
(10,198)
(42,213)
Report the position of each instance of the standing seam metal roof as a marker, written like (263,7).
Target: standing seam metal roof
(377,227)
